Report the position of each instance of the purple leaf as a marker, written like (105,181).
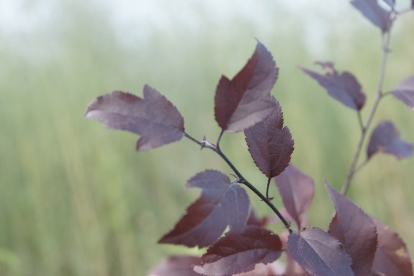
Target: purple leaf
(374,12)
(240,252)
(254,220)
(270,144)
(392,256)
(221,203)
(296,189)
(405,92)
(176,266)
(355,230)
(390,3)
(245,100)
(386,138)
(319,253)
(343,87)
(153,117)
(271,269)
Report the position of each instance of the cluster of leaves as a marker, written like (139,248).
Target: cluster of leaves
(355,243)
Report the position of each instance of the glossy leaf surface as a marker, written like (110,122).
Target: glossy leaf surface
(240,252)
(270,144)
(245,100)
(296,190)
(355,230)
(319,253)
(405,92)
(153,117)
(386,138)
(392,256)
(221,203)
(374,13)
(343,87)
(176,266)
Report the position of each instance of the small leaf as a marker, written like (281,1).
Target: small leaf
(374,12)
(343,87)
(240,252)
(392,256)
(296,189)
(386,138)
(319,253)
(405,92)
(355,230)
(176,266)
(154,117)
(270,144)
(245,100)
(221,203)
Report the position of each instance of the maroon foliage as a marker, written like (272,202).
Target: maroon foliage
(386,138)
(221,203)
(270,144)
(154,117)
(355,230)
(296,189)
(240,252)
(343,87)
(176,266)
(392,257)
(405,92)
(374,12)
(319,253)
(245,100)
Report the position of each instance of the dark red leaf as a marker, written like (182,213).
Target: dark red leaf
(270,144)
(154,117)
(221,203)
(296,189)
(392,256)
(254,220)
(240,252)
(405,92)
(245,100)
(343,87)
(319,253)
(176,266)
(374,12)
(386,138)
(355,230)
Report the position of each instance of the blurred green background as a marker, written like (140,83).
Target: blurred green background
(76,199)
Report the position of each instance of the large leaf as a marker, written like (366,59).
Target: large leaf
(405,92)
(386,138)
(153,117)
(176,266)
(374,12)
(240,252)
(270,144)
(343,87)
(319,253)
(245,100)
(392,256)
(296,189)
(221,203)
(355,230)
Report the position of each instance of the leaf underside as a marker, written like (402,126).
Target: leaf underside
(245,100)
(343,87)
(221,203)
(355,230)
(240,252)
(270,144)
(374,13)
(153,117)
(405,92)
(386,138)
(319,253)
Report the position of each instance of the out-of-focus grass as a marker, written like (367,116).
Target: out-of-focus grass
(76,199)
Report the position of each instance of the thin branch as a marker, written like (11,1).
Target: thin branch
(267,187)
(360,166)
(361,124)
(219,138)
(388,93)
(351,171)
(242,180)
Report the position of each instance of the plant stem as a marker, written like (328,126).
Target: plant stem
(351,172)
(267,187)
(242,180)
